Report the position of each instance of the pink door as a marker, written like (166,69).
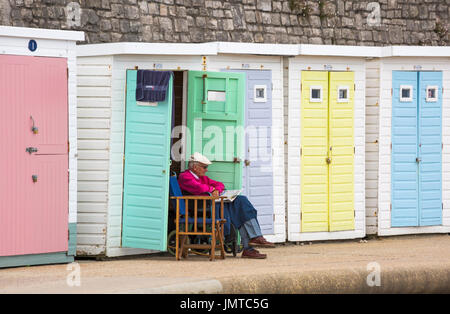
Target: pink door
(34,155)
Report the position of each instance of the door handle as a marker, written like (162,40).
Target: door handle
(328,160)
(236,160)
(247,162)
(31,150)
(34,129)
(418,159)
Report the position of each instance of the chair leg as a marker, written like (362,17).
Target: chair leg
(213,243)
(177,251)
(220,237)
(183,249)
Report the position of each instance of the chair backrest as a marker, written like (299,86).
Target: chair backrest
(175,190)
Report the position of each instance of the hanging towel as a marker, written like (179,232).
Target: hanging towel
(152,85)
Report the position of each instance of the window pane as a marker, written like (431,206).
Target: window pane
(260,93)
(315,93)
(216,96)
(406,92)
(342,94)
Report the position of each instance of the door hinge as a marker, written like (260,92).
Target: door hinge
(301,152)
(68,235)
(391,146)
(354,150)
(354,87)
(391,91)
(390,207)
(68,146)
(67,72)
(273,217)
(442,206)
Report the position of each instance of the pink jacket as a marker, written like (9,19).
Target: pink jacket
(200,186)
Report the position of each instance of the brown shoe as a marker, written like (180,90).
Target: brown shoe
(261,242)
(252,253)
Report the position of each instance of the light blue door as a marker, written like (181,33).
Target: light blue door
(430,148)
(146,170)
(405,196)
(416,149)
(257,183)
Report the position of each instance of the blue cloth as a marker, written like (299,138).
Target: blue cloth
(249,230)
(152,85)
(238,212)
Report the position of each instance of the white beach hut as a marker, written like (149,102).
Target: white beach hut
(410,137)
(103,226)
(326,142)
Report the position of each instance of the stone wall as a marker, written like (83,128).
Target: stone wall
(352,22)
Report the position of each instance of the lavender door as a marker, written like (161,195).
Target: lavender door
(34,159)
(257,172)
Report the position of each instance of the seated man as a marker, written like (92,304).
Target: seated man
(240,212)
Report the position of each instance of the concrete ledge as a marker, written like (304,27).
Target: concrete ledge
(401,280)
(200,287)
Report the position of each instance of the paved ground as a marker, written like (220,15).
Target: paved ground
(406,264)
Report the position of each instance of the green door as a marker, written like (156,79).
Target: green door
(215,118)
(146,170)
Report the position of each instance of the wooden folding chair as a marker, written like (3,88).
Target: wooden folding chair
(197,223)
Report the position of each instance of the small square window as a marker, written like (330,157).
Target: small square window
(406,93)
(214,95)
(432,93)
(260,93)
(315,94)
(343,94)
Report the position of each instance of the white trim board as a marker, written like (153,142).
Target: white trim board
(34,33)
(215,48)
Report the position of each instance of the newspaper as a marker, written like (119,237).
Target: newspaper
(230,195)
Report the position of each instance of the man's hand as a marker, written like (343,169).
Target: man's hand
(215,193)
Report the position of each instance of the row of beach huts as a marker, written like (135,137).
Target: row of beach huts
(350,140)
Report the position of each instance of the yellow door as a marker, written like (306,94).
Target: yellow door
(327,151)
(341,184)
(314,169)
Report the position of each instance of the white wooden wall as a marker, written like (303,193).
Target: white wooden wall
(94,120)
(286,136)
(115,185)
(388,65)
(275,64)
(372,122)
(58,49)
(296,65)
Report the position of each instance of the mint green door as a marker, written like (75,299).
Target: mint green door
(146,170)
(215,118)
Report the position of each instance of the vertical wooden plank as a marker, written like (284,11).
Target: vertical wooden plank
(314,139)
(430,148)
(341,151)
(404,176)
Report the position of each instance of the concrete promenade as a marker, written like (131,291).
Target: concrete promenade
(403,264)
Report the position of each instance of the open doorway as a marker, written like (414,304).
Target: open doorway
(178,119)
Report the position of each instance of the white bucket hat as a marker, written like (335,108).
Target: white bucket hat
(200,158)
